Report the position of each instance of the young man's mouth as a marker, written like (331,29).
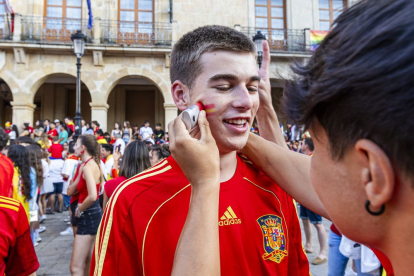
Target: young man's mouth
(237,124)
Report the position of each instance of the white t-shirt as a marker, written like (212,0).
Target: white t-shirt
(12,135)
(55,170)
(146,132)
(69,167)
(121,142)
(45,167)
(108,167)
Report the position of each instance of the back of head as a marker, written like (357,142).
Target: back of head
(108,147)
(186,54)
(162,151)
(359,82)
(135,159)
(309,142)
(71,149)
(24,140)
(4,138)
(35,155)
(91,146)
(99,132)
(18,154)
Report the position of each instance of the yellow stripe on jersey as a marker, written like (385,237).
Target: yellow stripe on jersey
(9,200)
(146,229)
(231,212)
(9,207)
(99,260)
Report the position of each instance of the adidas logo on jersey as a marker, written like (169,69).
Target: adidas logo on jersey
(229,218)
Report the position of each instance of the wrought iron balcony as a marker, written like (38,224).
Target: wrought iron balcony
(116,32)
(52,30)
(281,40)
(5,28)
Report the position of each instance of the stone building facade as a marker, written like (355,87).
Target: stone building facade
(125,69)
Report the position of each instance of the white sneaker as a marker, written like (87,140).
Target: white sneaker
(68,231)
(68,223)
(42,229)
(36,244)
(67,219)
(42,218)
(38,239)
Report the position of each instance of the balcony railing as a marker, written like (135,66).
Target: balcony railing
(136,33)
(281,40)
(52,30)
(5,28)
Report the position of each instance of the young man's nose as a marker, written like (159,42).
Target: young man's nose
(243,99)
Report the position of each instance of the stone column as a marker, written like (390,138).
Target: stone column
(97,30)
(22,113)
(100,114)
(17,27)
(171,112)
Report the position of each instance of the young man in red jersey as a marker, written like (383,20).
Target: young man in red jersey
(258,225)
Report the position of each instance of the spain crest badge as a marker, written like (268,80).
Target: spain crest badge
(274,241)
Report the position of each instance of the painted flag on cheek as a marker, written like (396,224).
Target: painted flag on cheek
(210,109)
(90,20)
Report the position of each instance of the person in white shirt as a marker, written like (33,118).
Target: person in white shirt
(106,153)
(146,131)
(84,127)
(55,169)
(119,142)
(68,169)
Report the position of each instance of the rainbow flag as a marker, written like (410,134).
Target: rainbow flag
(316,38)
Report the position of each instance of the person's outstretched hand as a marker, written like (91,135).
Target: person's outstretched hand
(265,89)
(198,158)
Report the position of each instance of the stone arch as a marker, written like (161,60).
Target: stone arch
(34,81)
(113,79)
(6,100)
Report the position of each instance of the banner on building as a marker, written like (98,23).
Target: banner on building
(90,20)
(316,38)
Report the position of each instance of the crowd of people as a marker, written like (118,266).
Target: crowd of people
(53,173)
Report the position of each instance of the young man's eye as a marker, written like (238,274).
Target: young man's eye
(253,89)
(223,88)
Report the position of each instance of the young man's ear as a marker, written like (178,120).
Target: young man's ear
(181,95)
(378,176)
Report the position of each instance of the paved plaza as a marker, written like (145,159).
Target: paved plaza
(54,252)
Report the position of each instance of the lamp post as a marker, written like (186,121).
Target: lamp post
(79,40)
(258,39)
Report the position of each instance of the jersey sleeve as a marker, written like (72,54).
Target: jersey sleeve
(22,259)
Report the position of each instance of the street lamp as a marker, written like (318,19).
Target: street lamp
(258,39)
(79,40)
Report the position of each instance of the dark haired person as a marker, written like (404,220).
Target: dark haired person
(70,125)
(22,190)
(157,153)
(63,134)
(6,168)
(88,211)
(215,65)
(308,217)
(27,130)
(107,158)
(146,130)
(99,135)
(134,161)
(159,133)
(95,126)
(55,175)
(37,133)
(52,132)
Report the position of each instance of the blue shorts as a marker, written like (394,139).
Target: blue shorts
(305,213)
(58,188)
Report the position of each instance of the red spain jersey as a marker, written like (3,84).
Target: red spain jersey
(17,254)
(258,225)
(6,179)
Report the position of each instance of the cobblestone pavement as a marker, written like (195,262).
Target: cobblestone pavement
(54,252)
